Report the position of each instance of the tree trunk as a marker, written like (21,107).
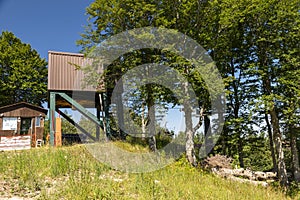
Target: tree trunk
(120,111)
(97,126)
(273,154)
(144,123)
(240,151)
(282,174)
(152,140)
(295,156)
(225,148)
(189,145)
(208,135)
(281,168)
(102,106)
(151,114)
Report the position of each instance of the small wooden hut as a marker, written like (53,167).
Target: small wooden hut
(21,126)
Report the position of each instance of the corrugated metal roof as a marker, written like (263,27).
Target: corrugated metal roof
(63,75)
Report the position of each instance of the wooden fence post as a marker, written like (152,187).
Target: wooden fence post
(58,132)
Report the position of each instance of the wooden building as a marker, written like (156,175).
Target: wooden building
(21,125)
(64,76)
(68,89)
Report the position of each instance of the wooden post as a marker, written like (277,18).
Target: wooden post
(57,132)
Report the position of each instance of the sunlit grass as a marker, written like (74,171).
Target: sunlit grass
(72,173)
(138,148)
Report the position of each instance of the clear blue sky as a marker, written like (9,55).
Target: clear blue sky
(45,24)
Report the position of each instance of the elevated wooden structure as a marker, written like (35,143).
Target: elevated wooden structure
(65,75)
(68,89)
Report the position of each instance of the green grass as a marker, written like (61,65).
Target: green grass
(72,173)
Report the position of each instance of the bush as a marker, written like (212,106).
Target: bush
(217,161)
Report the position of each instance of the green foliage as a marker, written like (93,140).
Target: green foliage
(88,125)
(46,129)
(23,73)
(294,190)
(257,154)
(67,127)
(255,45)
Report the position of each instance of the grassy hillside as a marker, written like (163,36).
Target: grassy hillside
(71,173)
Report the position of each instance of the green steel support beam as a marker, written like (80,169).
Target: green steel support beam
(52,117)
(76,125)
(81,109)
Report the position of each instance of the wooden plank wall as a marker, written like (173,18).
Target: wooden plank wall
(15,143)
(23,112)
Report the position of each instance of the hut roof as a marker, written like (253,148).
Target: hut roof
(15,106)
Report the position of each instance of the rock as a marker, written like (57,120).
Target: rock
(246,175)
(271,175)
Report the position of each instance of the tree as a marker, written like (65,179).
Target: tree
(277,21)
(255,45)
(23,73)
(268,33)
(110,18)
(66,126)
(287,51)
(228,46)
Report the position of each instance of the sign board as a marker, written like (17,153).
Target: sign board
(10,123)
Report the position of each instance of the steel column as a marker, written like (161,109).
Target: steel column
(52,117)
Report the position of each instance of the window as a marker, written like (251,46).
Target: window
(37,121)
(10,123)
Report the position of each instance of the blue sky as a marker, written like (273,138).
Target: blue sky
(45,24)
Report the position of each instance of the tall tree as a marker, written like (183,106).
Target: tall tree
(273,32)
(255,45)
(109,18)
(23,73)
(287,51)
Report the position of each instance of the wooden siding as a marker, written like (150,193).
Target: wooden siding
(15,143)
(23,112)
(22,109)
(7,133)
(63,75)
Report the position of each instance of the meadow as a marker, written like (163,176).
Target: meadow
(72,173)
